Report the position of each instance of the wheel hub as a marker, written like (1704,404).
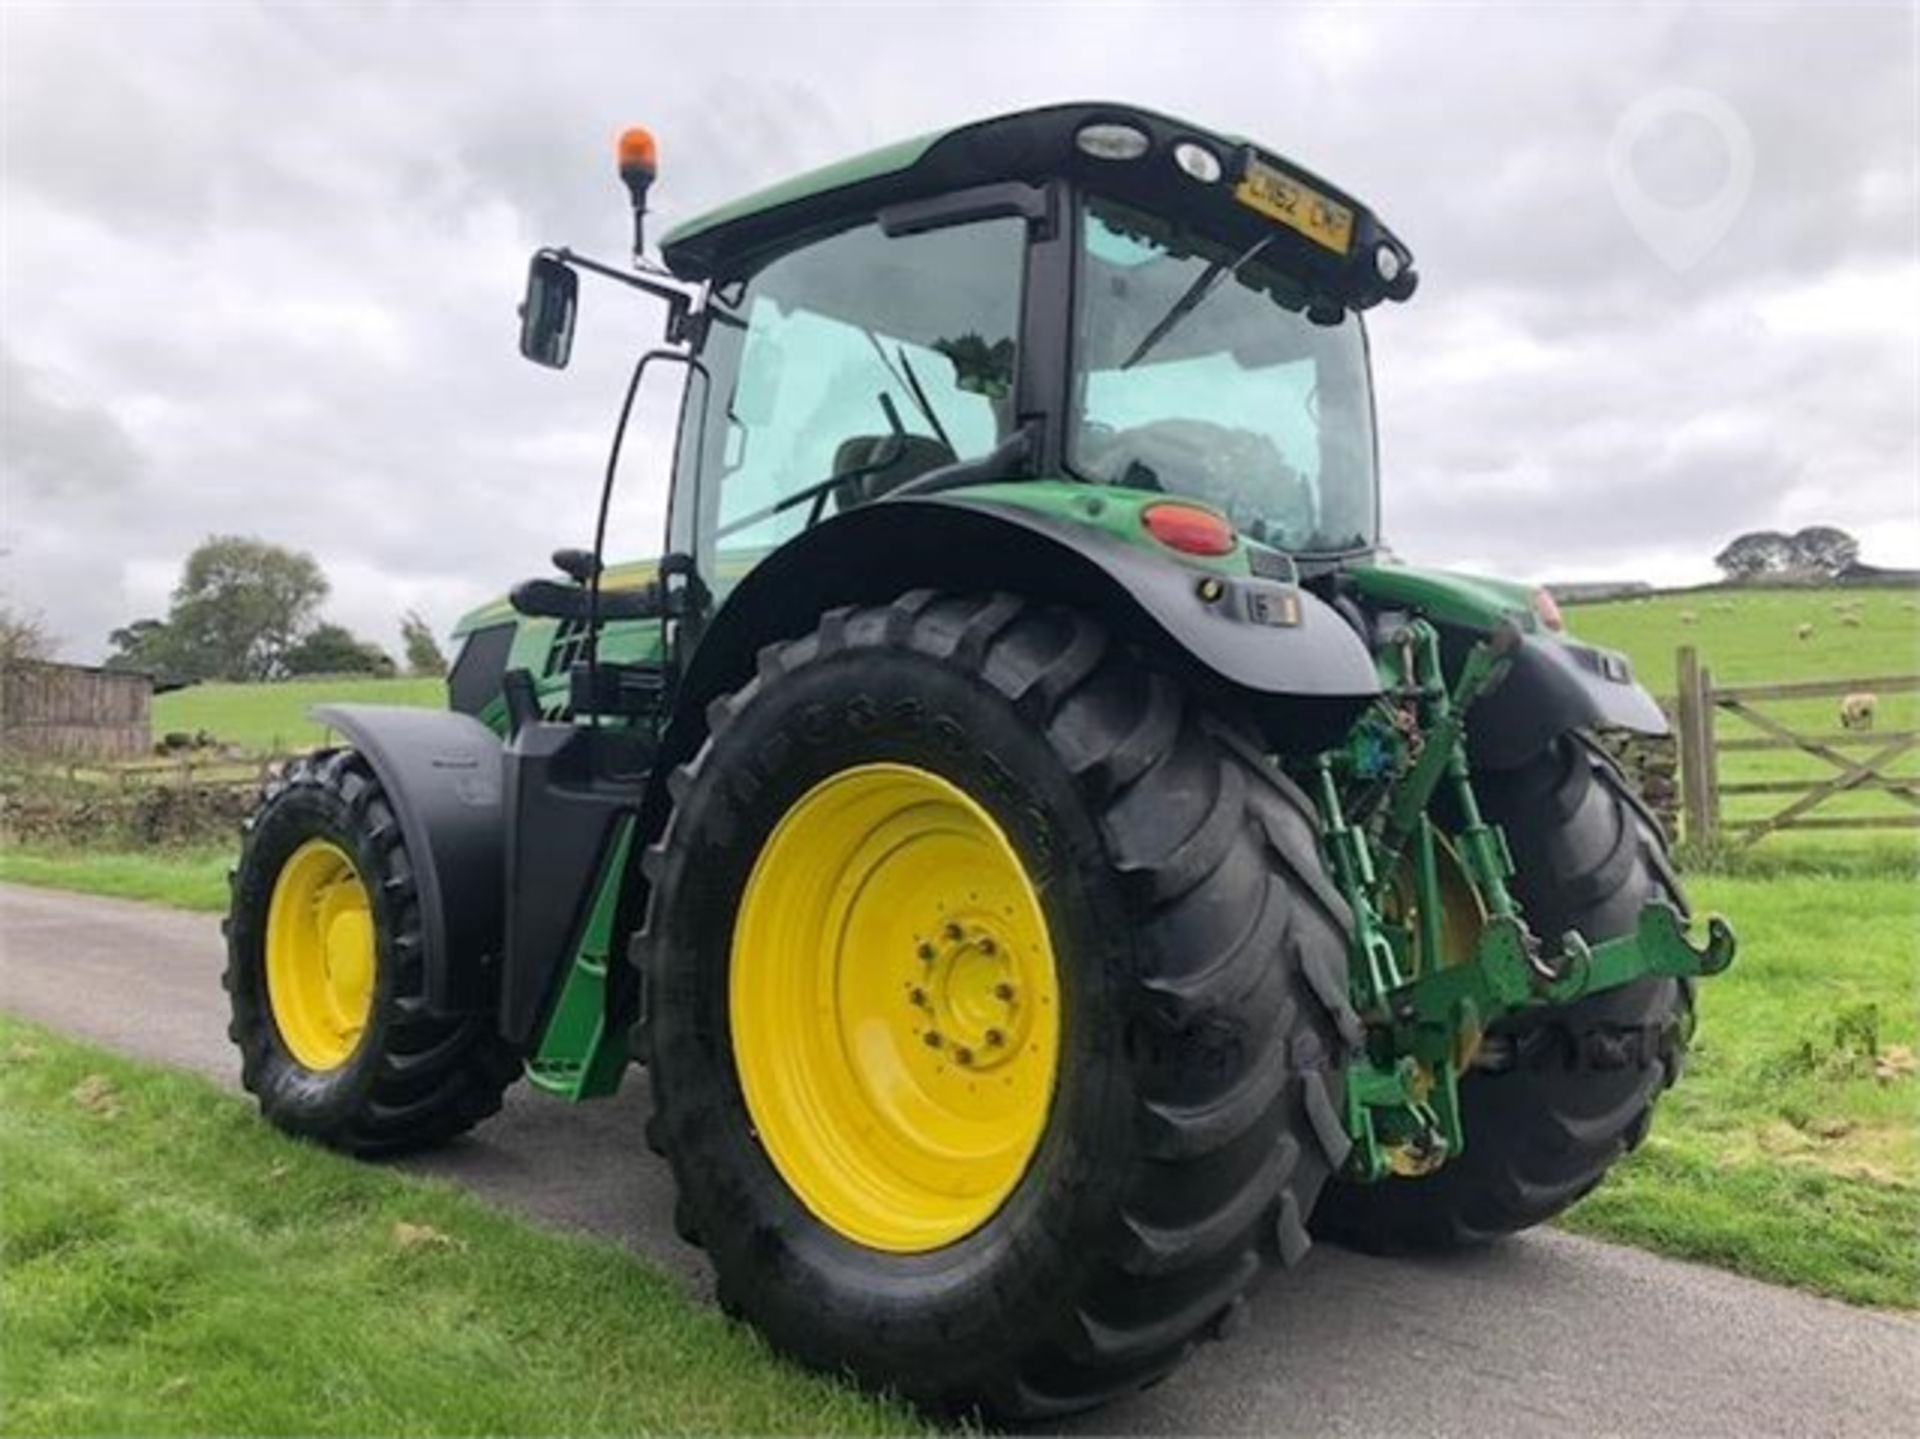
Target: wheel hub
(969,998)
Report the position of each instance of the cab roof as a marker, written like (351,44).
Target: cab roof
(1033,147)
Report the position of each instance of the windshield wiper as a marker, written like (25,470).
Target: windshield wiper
(890,451)
(1204,285)
(920,398)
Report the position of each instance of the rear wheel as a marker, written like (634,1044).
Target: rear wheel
(996,998)
(326,981)
(1556,1096)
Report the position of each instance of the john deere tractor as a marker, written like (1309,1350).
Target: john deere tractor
(1050,860)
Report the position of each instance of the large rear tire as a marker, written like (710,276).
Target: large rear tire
(326,981)
(1195,952)
(1557,1097)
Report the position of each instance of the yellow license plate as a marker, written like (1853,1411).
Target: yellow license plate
(1297,206)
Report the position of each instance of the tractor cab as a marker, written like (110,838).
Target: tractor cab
(1086,293)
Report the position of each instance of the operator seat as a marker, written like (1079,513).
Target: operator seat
(917,455)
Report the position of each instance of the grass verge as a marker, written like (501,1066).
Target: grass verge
(1790,1150)
(183,878)
(173,1266)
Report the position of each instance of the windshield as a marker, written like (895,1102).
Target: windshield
(1198,373)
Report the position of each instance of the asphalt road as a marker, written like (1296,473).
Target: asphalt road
(1547,1332)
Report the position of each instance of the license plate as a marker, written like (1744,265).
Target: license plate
(1297,206)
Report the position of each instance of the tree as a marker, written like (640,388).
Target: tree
(1823,550)
(241,605)
(423,651)
(331,649)
(23,636)
(149,646)
(1756,554)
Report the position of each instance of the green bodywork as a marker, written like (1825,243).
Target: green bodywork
(579,1057)
(889,160)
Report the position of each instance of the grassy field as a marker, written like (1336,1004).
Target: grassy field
(1791,1148)
(173,1266)
(272,718)
(1751,637)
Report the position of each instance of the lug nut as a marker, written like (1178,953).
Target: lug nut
(963,1055)
(925,951)
(987,946)
(995,1039)
(933,1039)
(918,996)
(1003,991)
(955,933)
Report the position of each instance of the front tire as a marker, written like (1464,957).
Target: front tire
(1559,1095)
(1194,946)
(326,980)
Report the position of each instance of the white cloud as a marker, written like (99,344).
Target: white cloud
(270,286)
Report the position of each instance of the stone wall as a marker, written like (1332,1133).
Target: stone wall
(1652,764)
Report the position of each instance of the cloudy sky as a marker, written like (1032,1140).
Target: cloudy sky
(260,265)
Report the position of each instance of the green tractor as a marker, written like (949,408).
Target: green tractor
(1050,860)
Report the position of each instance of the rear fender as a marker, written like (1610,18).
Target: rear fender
(1268,649)
(1554,685)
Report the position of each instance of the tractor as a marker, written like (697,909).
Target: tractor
(1052,861)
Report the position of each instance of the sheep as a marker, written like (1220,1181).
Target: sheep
(1850,620)
(1856,710)
(1688,617)
(1804,632)
(1726,607)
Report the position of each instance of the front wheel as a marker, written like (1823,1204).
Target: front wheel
(1558,1095)
(326,980)
(995,996)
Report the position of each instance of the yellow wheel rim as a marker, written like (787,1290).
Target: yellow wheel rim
(321,956)
(895,1008)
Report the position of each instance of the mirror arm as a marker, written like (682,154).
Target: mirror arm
(684,296)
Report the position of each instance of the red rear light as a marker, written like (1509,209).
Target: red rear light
(1548,609)
(1188,529)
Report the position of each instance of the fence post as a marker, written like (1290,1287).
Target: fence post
(1696,784)
(1710,750)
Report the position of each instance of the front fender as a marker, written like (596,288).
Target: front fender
(442,773)
(1274,647)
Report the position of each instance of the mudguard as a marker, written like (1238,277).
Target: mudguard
(1274,649)
(442,772)
(1556,685)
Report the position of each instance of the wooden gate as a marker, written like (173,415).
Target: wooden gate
(1698,708)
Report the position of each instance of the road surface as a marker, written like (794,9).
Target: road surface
(1544,1333)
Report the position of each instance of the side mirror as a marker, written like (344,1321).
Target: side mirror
(547,312)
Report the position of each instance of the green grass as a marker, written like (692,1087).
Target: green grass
(173,1266)
(1781,1153)
(272,718)
(1749,637)
(183,878)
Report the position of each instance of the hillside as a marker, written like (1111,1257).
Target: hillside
(1753,638)
(272,718)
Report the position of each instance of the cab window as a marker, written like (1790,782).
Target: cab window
(846,369)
